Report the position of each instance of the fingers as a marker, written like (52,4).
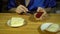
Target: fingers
(18,11)
(44,17)
(24,7)
(40,9)
(21,8)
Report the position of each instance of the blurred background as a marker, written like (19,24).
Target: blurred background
(3,5)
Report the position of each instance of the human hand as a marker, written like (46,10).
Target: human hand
(21,9)
(41,14)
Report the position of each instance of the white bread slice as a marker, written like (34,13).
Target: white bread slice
(16,21)
(53,28)
(40,14)
(50,27)
(45,26)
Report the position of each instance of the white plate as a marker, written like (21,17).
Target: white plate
(50,27)
(9,24)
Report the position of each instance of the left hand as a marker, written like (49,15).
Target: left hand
(42,16)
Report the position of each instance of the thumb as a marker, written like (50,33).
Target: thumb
(24,7)
(40,9)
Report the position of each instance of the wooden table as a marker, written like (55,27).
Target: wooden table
(30,28)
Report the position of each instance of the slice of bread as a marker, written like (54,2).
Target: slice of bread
(50,27)
(53,28)
(40,14)
(15,22)
(45,26)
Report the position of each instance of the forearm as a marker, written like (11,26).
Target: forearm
(12,10)
(11,5)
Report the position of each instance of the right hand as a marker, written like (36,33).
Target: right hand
(21,9)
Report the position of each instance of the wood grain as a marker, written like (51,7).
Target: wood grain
(31,27)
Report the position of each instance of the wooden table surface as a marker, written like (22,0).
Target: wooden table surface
(30,28)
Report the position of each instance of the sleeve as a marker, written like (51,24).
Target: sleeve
(52,3)
(0,5)
(36,3)
(11,4)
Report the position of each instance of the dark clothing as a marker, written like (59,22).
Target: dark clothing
(0,5)
(34,4)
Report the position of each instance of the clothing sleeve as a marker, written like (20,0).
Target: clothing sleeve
(36,3)
(0,5)
(52,3)
(11,4)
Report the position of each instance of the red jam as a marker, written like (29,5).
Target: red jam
(38,15)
